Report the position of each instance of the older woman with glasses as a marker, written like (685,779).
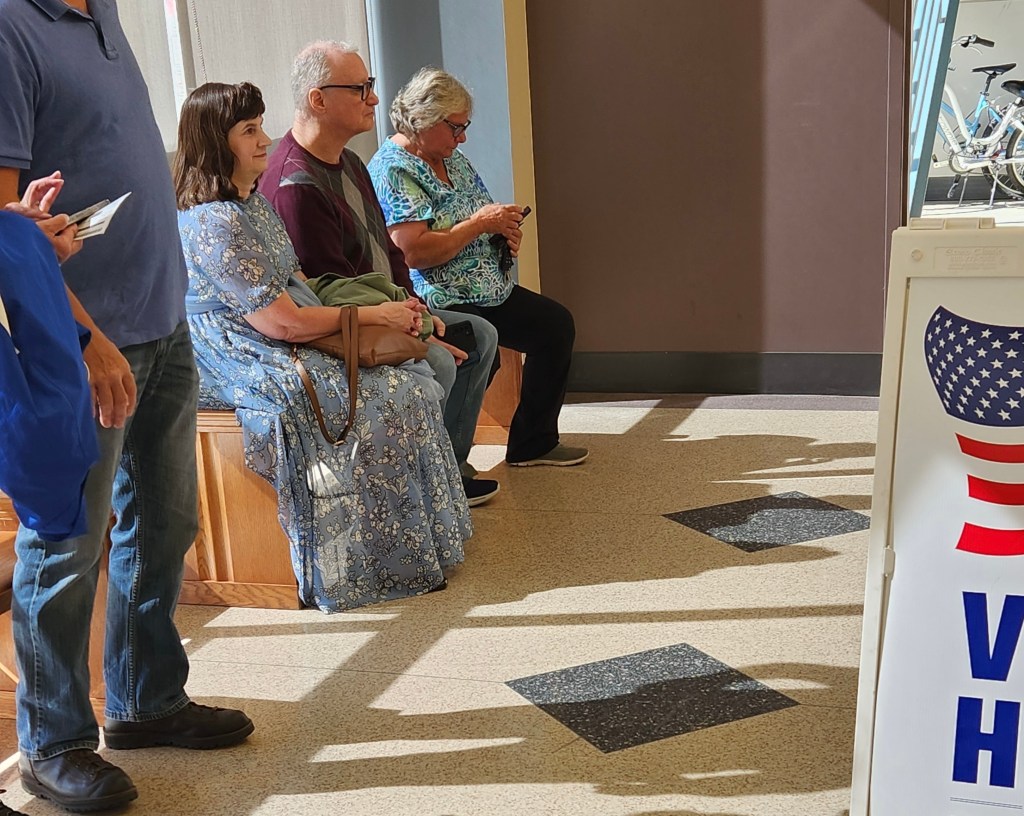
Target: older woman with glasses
(382,516)
(454,237)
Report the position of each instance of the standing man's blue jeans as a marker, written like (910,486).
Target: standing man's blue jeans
(152,467)
(463,385)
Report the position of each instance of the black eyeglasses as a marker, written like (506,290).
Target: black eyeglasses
(458,130)
(364,88)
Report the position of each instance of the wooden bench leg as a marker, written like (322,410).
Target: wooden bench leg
(241,556)
(501,400)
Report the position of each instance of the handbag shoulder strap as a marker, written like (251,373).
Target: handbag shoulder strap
(350,337)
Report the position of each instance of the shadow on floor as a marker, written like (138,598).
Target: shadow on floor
(789,752)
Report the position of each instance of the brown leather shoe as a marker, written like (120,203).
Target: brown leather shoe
(79,781)
(194,726)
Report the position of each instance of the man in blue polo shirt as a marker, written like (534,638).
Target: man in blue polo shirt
(72,98)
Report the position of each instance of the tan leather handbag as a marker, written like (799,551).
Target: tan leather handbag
(356,346)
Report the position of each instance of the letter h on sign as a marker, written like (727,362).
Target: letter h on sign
(971,741)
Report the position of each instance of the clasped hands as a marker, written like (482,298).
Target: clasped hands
(407,316)
(404,315)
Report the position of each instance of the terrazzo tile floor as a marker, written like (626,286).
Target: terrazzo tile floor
(771,521)
(675,673)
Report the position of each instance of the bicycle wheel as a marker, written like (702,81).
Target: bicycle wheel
(1015,149)
(1008,177)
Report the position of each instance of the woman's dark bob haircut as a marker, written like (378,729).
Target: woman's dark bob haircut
(204,163)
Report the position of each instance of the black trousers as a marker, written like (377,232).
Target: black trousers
(543,330)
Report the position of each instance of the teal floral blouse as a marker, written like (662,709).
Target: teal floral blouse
(410,191)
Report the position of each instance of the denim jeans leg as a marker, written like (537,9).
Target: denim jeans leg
(155,502)
(53,597)
(467,396)
(443,365)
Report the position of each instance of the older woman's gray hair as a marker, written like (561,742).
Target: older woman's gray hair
(430,96)
(311,70)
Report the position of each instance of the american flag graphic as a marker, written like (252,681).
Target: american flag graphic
(978,372)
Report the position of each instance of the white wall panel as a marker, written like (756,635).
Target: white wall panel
(256,41)
(144,23)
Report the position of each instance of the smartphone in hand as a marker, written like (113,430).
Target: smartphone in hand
(88,212)
(505,259)
(498,238)
(460,335)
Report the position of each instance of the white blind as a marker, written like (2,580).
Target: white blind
(145,25)
(256,41)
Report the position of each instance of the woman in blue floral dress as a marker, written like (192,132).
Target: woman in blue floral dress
(380,517)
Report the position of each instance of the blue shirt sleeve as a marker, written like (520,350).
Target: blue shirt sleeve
(45,398)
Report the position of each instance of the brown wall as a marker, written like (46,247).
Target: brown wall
(718,175)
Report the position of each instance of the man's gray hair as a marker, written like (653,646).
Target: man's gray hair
(430,96)
(311,70)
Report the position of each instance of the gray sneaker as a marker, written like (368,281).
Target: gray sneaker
(558,456)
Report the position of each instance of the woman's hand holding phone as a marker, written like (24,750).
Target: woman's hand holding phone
(508,241)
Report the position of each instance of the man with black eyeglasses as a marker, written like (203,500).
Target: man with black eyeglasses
(324,195)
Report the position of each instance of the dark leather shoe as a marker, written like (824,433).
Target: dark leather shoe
(79,781)
(195,726)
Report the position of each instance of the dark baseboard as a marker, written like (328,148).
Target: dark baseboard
(684,372)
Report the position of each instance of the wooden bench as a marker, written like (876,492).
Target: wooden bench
(241,555)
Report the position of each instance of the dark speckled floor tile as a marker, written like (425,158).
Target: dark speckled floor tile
(772,521)
(636,699)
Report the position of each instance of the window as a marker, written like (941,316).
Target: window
(180,44)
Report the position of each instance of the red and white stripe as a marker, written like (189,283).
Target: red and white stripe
(993,459)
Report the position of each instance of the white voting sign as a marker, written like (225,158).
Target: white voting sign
(939,725)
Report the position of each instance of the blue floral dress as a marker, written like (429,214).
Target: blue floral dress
(409,190)
(377,518)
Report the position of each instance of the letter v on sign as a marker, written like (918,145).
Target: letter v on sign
(992,661)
